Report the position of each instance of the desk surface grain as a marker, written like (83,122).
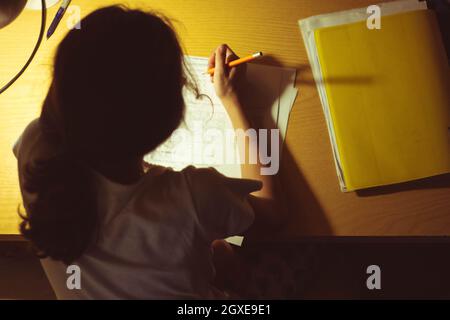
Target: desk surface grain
(308,173)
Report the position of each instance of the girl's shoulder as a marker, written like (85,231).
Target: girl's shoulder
(32,144)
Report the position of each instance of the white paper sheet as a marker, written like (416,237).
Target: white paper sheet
(204,139)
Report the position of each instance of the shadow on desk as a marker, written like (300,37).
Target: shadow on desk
(305,213)
(440,181)
(305,75)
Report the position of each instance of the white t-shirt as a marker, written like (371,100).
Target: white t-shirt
(155,235)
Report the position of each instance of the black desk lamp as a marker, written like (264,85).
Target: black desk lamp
(9,11)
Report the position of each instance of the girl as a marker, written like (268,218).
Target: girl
(134,232)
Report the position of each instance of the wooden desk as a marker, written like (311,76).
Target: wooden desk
(308,172)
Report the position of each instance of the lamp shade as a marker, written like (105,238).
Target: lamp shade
(10,10)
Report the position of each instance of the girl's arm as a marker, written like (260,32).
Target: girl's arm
(268,202)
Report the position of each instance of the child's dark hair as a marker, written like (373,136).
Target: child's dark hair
(116,94)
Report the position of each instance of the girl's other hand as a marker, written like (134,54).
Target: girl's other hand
(228,82)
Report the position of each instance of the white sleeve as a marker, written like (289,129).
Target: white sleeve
(221,203)
(30,131)
(16,147)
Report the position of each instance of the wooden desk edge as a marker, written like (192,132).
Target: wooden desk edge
(12,237)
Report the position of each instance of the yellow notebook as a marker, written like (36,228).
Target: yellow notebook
(388,94)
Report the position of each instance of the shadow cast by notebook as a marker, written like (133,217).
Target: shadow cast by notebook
(436,182)
(305,75)
(305,213)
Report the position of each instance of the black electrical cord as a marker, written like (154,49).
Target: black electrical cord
(36,47)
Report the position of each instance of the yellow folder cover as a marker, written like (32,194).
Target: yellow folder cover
(388,92)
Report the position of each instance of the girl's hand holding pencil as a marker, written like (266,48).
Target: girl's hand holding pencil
(227,72)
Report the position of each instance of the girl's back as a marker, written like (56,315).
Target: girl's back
(116,95)
(154,236)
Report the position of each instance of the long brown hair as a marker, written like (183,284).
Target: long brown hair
(116,93)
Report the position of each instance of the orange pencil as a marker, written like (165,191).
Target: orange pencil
(239,61)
